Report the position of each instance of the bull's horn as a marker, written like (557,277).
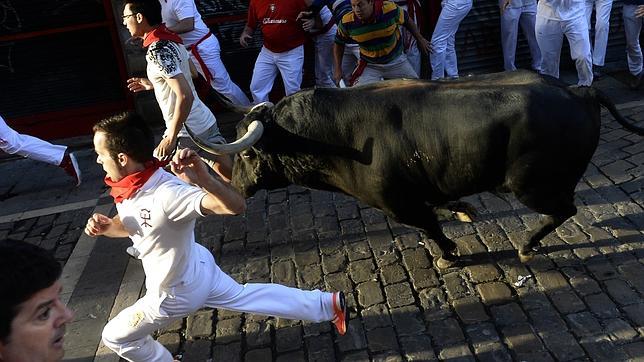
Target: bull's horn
(229,105)
(254,132)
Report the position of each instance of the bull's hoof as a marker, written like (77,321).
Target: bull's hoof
(443,263)
(526,255)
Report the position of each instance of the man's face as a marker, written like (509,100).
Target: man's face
(131,21)
(112,168)
(362,8)
(37,330)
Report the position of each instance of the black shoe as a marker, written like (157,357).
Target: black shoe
(636,82)
(598,71)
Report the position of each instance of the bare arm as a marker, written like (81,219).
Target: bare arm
(221,198)
(179,85)
(338,53)
(639,12)
(100,224)
(423,44)
(183,26)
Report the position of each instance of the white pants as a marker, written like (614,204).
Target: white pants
(129,333)
(550,38)
(511,18)
(288,63)
(13,142)
(324,58)
(443,56)
(411,47)
(397,68)
(210,52)
(602,27)
(632,28)
(350,61)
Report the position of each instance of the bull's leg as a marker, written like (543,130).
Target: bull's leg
(424,217)
(556,210)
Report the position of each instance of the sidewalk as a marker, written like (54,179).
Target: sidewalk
(582,299)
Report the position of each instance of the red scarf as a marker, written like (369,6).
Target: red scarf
(160,33)
(130,184)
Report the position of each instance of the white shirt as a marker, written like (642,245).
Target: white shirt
(160,219)
(561,9)
(173,11)
(165,60)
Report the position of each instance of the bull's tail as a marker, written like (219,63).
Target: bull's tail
(605,101)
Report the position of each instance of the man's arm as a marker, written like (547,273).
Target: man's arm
(639,11)
(183,26)
(100,224)
(338,54)
(246,35)
(180,87)
(221,198)
(423,44)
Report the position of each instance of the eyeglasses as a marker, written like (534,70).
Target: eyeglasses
(127,16)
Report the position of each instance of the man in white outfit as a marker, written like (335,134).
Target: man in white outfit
(513,14)
(556,18)
(633,13)
(410,47)
(322,29)
(157,211)
(443,54)
(34,148)
(182,17)
(602,28)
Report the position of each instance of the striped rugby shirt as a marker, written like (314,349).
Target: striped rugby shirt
(379,39)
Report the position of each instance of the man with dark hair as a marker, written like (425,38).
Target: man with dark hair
(32,316)
(168,71)
(158,211)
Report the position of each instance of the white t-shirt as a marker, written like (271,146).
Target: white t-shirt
(167,59)
(160,219)
(173,11)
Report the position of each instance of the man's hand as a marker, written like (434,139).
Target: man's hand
(424,46)
(165,148)
(639,11)
(304,15)
(189,167)
(139,84)
(505,5)
(308,25)
(337,76)
(244,38)
(97,225)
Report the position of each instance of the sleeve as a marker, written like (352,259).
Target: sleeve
(184,9)
(252,17)
(180,201)
(341,36)
(401,16)
(165,58)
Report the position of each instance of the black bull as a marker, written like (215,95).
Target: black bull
(406,146)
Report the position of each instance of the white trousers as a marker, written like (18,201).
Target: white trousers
(324,58)
(129,333)
(632,28)
(13,142)
(397,68)
(210,52)
(443,56)
(268,63)
(550,38)
(526,17)
(350,61)
(602,27)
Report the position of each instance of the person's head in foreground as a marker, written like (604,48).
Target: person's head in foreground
(32,316)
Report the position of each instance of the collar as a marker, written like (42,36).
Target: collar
(160,33)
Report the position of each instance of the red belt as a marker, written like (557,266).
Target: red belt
(357,72)
(193,49)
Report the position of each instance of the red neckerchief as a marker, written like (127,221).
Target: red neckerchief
(160,33)
(130,184)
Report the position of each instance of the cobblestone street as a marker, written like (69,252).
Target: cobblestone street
(579,299)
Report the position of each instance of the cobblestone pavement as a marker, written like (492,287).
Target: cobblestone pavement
(579,299)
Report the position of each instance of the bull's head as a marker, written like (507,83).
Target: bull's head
(253,168)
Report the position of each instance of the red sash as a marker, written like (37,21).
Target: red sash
(193,49)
